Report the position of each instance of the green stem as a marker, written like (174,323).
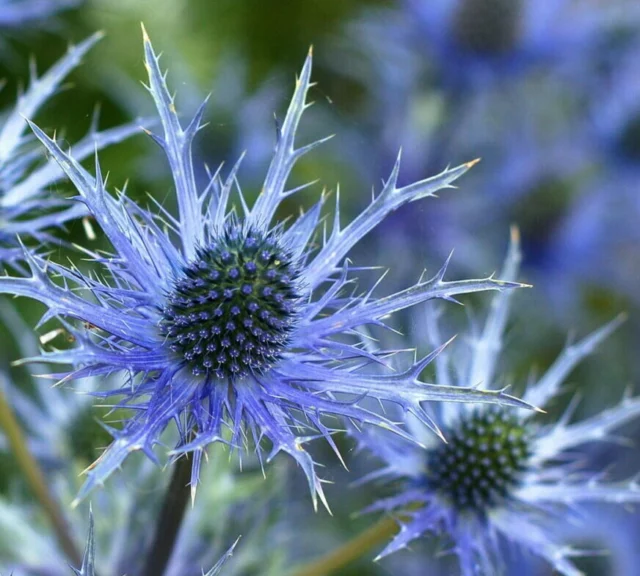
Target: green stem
(351,551)
(35,479)
(170,519)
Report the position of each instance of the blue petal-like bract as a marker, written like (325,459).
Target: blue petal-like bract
(26,209)
(222,319)
(88,558)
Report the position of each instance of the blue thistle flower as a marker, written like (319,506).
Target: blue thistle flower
(501,477)
(243,323)
(525,143)
(25,207)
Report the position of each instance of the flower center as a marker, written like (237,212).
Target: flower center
(482,462)
(232,311)
(488,26)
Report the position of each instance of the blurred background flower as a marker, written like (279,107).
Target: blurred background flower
(21,19)
(503,481)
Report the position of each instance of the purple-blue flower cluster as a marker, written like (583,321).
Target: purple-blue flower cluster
(241,322)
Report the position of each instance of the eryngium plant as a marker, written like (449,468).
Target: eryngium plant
(26,207)
(222,319)
(501,477)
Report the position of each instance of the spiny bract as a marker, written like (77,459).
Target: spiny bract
(25,207)
(227,322)
(502,477)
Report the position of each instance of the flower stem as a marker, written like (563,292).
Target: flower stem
(171,515)
(352,550)
(35,479)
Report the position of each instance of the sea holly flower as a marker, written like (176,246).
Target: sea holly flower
(501,478)
(26,208)
(447,77)
(490,54)
(221,319)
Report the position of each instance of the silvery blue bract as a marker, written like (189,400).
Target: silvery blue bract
(26,207)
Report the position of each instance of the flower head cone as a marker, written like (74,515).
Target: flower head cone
(501,478)
(25,207)
(232,327)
